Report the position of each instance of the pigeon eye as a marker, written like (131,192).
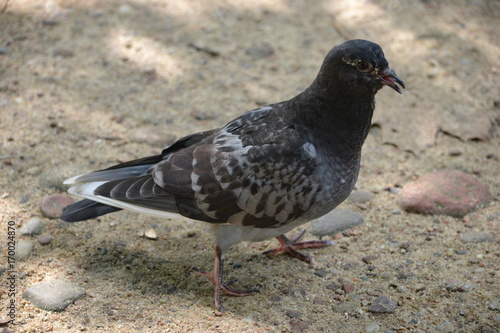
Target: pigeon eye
(364,66)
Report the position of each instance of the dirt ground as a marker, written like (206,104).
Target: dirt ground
(78,79)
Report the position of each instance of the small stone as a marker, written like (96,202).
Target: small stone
(449,192)
(53,295)
(477,237)
(383,304)
(349,306)
(260,51)
(367,259)
(372,327)
(493,306)
(297,325)
(386,275)
(150,233)
(44,239)
(454,285)
(461,251)
(337,220)
(151,135)
(33,227)
(360,196)
(52,206)
(4,50)
(294,313)
(401,289)
(348,288)
(24,249)
(321,272)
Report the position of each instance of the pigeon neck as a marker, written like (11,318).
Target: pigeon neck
(335,115)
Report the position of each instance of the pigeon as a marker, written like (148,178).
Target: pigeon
(270,170)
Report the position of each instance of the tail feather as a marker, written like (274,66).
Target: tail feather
(86,209)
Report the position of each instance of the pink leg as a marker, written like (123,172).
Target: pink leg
(291,246)
(216,277)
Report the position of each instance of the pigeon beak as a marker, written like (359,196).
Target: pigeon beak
(389,78)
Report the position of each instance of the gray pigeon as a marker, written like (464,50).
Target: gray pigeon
(266,172)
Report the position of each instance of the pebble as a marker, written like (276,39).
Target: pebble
(260,51)
(386,275)
(33,227)
(372,327)
(298,325)
(454,285)
(52,205)
(24,249)
(367,259)
(294,313)
(348,288)
(44,239)
(401,289)
(53,295)
(4,50)
(336,221)
(349,306)
(448,192)
(149,233)
(321,272)
(360,196)
(383,304)
(477,237)
(152,135)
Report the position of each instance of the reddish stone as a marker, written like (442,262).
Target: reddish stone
(52,206)
(449,192)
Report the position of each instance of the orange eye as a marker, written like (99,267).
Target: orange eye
(364,66)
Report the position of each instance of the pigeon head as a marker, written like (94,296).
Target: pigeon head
(360,65)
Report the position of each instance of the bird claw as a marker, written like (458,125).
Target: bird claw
(291,246)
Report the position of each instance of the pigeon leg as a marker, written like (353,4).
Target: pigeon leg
(216,277)
(291,246)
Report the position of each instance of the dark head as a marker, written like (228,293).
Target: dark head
(358,65)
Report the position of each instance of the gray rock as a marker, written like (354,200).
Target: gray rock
(4,50)
(449,192)
(360,196)
(24,249)
(372,327)
(336,221)
(383,304)
(294,313)
(53,295)
(350,306)
(44,239)
(477,237)
(33,227)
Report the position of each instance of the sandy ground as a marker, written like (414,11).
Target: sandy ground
(77,78)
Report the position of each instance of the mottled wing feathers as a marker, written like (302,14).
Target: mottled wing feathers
(248,173)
